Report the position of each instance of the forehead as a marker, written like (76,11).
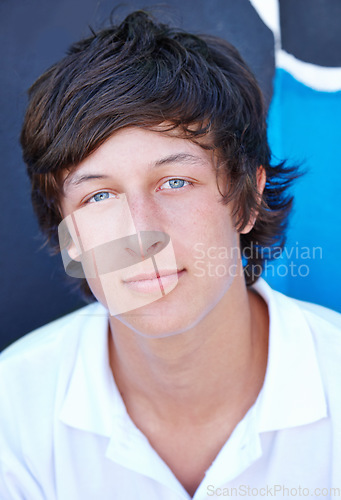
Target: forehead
(140,150)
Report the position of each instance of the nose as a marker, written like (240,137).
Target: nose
(152,242)
(117,254)
(144,211)
(144,244)
(146,218)
(124,252)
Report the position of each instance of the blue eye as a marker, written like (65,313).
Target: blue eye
(103,195)
(175,183)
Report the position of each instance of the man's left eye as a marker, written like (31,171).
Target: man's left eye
(103,195)
(175,184)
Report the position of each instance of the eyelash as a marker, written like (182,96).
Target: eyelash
(91,199)
(187,183)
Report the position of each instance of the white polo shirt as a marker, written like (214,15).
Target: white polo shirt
(65,433)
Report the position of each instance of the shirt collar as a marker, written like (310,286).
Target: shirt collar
(93,403)
(292,393)
(92,399)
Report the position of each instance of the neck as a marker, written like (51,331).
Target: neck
(215,368)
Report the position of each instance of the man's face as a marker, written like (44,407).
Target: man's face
(152,197)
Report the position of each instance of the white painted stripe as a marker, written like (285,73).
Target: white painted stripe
(320,78)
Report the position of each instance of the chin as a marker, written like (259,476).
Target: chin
(159,319)
(166,317)
(177,312)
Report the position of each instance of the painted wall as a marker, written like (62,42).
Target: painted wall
(303,125)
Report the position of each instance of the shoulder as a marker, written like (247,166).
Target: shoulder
(34,377)
(324,326)
(324,323)
(49,337)
(33,364)
(311,330)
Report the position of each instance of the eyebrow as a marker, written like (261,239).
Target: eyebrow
(180,157)
(76,180)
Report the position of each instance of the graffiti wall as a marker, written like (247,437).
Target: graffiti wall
(293,47)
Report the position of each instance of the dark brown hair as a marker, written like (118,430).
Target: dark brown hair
(143,73)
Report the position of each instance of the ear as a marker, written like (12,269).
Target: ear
(261,180)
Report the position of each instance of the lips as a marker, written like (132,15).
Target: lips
(162,283)
(152,276)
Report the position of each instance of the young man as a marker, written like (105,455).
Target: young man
(189,377)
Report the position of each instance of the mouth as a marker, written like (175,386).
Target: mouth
(163,281)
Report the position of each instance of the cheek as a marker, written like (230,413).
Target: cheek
(97,290)
(203,224)
(110,267)
(210,223)
(215,250)
(103,222)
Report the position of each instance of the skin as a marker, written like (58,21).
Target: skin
(190,364)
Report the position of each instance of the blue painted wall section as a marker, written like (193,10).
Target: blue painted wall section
(304,127)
